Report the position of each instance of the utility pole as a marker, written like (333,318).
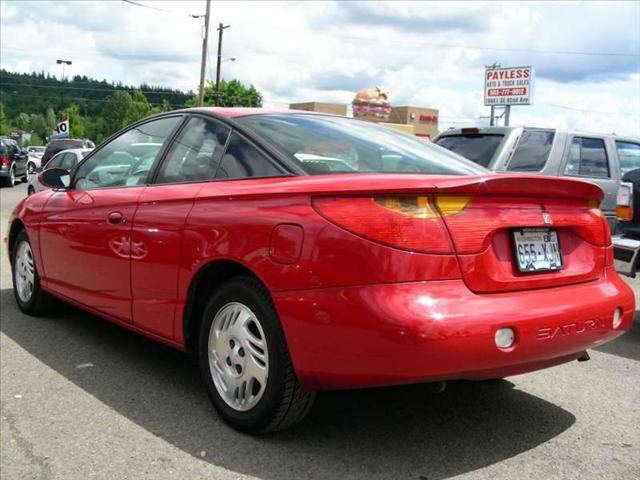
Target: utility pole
(203,60)
(220,30)
(492,118)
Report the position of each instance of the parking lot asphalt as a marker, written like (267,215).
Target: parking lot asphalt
(81,398)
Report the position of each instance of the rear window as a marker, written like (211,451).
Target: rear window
(532,151)
(328,145)
(479,148)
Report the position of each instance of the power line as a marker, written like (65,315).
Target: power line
(57,97)
(498,49)
(121,89)
(148,6)
(566,107)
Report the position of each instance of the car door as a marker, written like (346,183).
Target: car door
(158,224)
(85,231)
(588,158)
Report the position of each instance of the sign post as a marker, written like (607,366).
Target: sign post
(506,86)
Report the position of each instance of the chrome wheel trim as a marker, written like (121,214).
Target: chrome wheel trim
(12,177)
(238,356)
(24,272)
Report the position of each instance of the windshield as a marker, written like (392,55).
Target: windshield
(324,145)
(477,148)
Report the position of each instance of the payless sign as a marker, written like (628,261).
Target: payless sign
(508,86)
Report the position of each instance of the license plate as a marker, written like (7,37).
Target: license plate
(537,249)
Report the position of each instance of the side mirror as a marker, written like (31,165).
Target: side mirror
(56,178)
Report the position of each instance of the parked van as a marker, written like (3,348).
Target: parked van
(599,158)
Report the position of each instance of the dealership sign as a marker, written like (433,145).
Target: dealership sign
(508,86)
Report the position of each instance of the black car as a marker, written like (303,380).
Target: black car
(55,146)
(626,247)
(13,162)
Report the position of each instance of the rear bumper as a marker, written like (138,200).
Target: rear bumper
(626,252)
(416,332)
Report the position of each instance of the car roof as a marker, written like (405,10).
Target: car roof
(235,112)
(504,130)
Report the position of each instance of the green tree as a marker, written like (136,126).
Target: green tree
(4,123)
(116,112)
(50,118)
(76,122)
(140,107)
(233,93)
(38,126)
(22,122)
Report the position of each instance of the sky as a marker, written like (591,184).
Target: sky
(586,55)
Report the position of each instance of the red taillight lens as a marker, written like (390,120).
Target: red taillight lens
(5,160)
(405,222)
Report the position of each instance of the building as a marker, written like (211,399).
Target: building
(332,108)
(424,120)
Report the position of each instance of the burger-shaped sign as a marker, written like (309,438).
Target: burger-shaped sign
(372,104)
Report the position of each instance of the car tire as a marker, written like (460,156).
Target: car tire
(241,318)
(23,273)
(31,168)
(10,180)
(30,190)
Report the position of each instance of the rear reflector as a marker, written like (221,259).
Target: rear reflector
(405,222)
(624,202)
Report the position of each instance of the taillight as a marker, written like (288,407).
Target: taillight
(407,222)
(624,202)
(5,160)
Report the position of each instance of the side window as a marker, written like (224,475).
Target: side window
(243,160)
(55,161)
(195,154)
(629,155)
(587,158)
(532,151)
(69,161)
(127,159)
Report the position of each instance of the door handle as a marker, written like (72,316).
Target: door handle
(116,217)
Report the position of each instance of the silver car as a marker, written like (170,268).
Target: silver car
(66,159)
(599,158)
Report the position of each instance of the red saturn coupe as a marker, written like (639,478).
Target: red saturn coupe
(295,252)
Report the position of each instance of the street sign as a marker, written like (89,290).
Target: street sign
(62,130)
(508,86)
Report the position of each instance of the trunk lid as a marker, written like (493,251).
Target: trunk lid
(482,232)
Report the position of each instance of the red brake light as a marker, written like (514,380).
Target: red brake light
(5,160)
(405,222)
(470,131)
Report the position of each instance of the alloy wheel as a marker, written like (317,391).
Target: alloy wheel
(238,356)
(24,271)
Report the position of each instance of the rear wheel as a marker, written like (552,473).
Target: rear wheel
(31,190)
(10,180)
(26,282)
(31,168)
(245,362)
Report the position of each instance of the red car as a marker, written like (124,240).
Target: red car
(295,252)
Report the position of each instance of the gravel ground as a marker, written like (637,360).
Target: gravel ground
(81,398)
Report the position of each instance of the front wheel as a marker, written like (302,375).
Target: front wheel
(29,295)
(31,168)
(245,362)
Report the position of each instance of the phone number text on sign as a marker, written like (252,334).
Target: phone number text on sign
(508,86)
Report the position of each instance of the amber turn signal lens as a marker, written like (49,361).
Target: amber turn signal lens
(624,213)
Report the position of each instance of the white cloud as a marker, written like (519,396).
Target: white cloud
(324,51)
